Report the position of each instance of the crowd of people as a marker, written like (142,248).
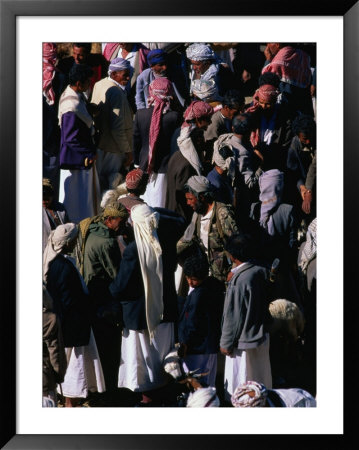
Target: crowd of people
(179,225)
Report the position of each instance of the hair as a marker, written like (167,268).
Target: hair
(79,72)
(233,99)
(241,123)
(304,124)
(241,246)
(269,78)
(85,45)
(196,266)
(209,196)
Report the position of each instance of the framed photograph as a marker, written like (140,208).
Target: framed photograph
(23,27)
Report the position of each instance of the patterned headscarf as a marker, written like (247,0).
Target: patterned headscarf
(200,52)
(134,178)
(156,56)
(160,96)
(292,66)
(58,239)
(118,64)
(196,110)
(115,209)
(49,58)
(242,399)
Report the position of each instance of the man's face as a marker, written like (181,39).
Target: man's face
(197,204)
(229,113)
(200,67)
(121,76)
(266,106)
(80,55)
(47,200)
(203,123)
(126,45)
(114,223)
(83,87)
(305,139)
(160,68)
(193,282)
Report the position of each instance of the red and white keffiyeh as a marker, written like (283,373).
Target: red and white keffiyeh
(160,96)
(49,58)
(292,66)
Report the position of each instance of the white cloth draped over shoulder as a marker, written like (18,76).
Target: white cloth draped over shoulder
(145,223)
(188,150)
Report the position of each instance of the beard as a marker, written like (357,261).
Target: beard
(201,207)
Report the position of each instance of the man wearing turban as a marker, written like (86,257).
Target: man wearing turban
(159,67)
(206,66)
(113,122)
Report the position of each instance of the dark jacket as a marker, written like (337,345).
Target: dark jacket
(199,324)
(70,302)
(169,122)
(128,288)
(76,142)
(179,170)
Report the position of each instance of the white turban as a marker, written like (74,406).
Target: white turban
(200,52)
(203,398)
(145,223)
(57,240)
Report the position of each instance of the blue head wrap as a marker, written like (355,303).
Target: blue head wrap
(156,56)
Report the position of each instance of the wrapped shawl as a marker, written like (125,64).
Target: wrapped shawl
(271,189)
(58,239)
(145,223)
(292,66)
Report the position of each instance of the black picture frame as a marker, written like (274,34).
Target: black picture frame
(9,10)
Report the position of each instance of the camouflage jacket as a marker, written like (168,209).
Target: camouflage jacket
(222,226)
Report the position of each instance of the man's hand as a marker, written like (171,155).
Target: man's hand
(226,352)
(307,200)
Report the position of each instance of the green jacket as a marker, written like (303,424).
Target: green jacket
(102,254)
(222,226)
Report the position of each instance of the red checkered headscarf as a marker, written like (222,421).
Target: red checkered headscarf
(292,66)
(196,110)
(49,57)
(160,96)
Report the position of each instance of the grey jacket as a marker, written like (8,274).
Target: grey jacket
(245,311)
